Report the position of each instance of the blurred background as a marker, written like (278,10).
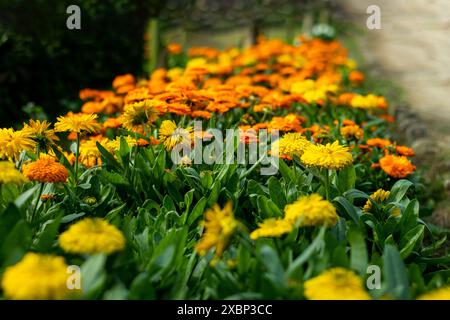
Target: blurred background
(43,64)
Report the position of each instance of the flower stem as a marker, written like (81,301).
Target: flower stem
(77,155)
(327,184)
(41,188)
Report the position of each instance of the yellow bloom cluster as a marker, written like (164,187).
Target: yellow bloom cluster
(36,276)
(307,211)
(171,136)
(438,294)
(378,196)
(9,174)
(330,156)
(369,101)
(219,225)
(336,284)
(290,144)
(313,91)
(12,143)
(90,236)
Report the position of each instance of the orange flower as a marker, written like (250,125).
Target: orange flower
(174,48)
(397,166)
(405,151)
(46,169)
(348,122)
(356,76)
(352,131)
(379,142)
(112,123)
(123,80)
(201,114)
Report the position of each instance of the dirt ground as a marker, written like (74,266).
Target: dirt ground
(413,47)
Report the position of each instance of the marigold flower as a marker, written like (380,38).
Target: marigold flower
(311,210)
(330,156)
(139,115)
(336,284)
(170,135)
(219,226)
(10,175)
(290,144)
(45,169)
(353,131)
(43,136)
(174,48)
(123,80)
(378,196)
(271,228)
(437,294)
(405,151)
(379,142)
(36,276)
(356,76)
(368,102)
(201,114)
(397,166)
(12,143)
(77,122)
(91,236)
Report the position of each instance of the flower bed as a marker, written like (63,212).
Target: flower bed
(267,172)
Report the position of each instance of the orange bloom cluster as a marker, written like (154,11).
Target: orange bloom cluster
(45,169)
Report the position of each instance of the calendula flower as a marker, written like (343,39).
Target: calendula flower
(77,122)
(174,48)
(379,142)
(12,143)
(10,175)
(36,276)
(397,166)
(89,154)
(311,210)
(405,151)
(139,115)
(370,101)
(330,156)
(378,196)
(40,132)
(219,226)
(336,284)
(438,294)
(90,236)
(271,228)
(170,135)
(45,169)
(353,131)
(290,144)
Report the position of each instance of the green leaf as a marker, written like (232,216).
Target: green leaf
(346,179)
(268,209)
(395,273)
(307,253)
(108,158)
(16,243)
(409,217)
(197,211)
(347,208)
(358,253)
(93,275)
(277,193)
(399,190)
(48,235)
(412,239)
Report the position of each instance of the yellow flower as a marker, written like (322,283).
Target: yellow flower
(219,226)
(336,284)
(114,145)
(290,144)
(89,154)
(330,156)
(311,210)
(78,122)
(12,143)
(36,276)
(139,115)
(438,294)
(9,174)
(370,101)
(90,236)
(170,135)
(41,134)
(45,169)
(271,228)
(378,196)
(354,131)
